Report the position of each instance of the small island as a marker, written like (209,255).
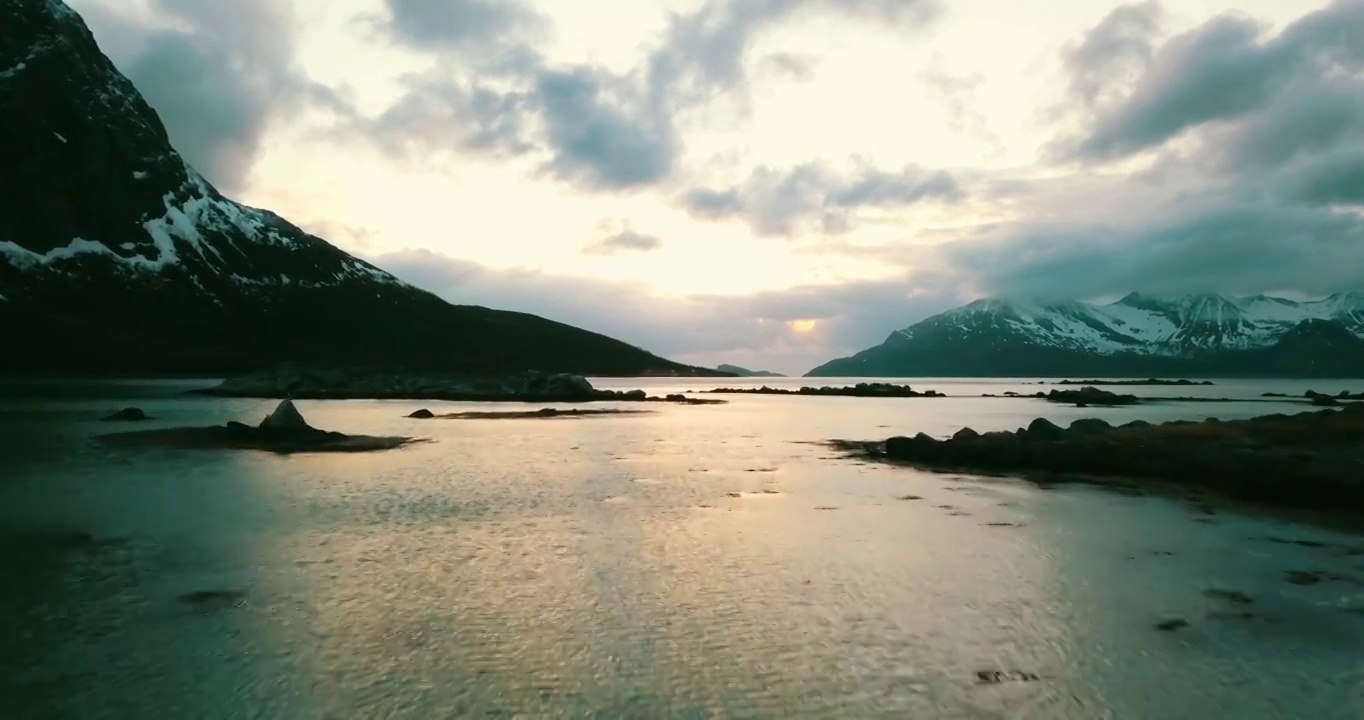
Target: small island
(1310,460)
(1086,396)
(541,414)
(283,431)
(745,372)
(859,390)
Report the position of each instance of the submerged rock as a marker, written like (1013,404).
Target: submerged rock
(129,414)
(995,677)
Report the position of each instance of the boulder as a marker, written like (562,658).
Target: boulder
(569,385)
(635,395)
(1090,426)
(422,414)
(1044,429)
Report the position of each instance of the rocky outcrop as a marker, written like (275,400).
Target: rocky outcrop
(1312,460)
(284,431)
(858,390)
(1086,396)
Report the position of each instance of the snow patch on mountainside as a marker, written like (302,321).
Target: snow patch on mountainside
(1170,326)
(182,228)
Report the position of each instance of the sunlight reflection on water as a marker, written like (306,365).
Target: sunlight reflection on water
(675,564)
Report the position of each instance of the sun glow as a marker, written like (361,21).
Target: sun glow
(802,326)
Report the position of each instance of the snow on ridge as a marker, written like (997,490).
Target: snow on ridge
(1153,325)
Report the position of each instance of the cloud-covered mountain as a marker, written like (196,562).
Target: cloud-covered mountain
(116,255)
(1204,335)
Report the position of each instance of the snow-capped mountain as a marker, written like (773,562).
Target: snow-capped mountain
(1203,334)
(115,255)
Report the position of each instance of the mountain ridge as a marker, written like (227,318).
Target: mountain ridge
(118,257)
(1201,335)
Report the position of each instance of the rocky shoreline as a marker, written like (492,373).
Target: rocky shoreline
(858,390)
(1314,460)
(530,387)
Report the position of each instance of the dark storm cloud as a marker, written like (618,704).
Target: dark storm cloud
(776,202)
(217,73)
(1336,179)
(1224,71)
(1241,248)
(1262,194)
(703,329)
(597,129)
(1114,51)
(626,240)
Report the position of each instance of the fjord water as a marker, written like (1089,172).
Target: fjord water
(696,561)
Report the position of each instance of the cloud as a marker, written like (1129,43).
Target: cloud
(781,202)
(1234,248)
(958,92)
(1113,53)
(791,66)
(601,136)
(1223,71)
(706,330)
(466,115)
(1258,179)
(588,126)
(704,51)
(626,240)
(218,74)
(1334,180)
(478,25)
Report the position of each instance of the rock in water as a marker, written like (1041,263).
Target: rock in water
(285,418)
(130,414)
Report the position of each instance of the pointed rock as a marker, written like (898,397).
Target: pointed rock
(285,418)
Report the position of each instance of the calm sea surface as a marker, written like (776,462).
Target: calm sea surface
(694,562)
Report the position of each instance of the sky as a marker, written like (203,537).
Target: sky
(775,183)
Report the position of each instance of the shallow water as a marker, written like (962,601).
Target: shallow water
(603,567)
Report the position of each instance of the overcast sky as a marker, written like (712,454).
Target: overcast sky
(775,183)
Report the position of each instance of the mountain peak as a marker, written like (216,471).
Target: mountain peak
(1138,334)
(116,256)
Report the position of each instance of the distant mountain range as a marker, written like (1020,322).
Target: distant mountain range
(745,372)
(117,257)
(1203,335)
